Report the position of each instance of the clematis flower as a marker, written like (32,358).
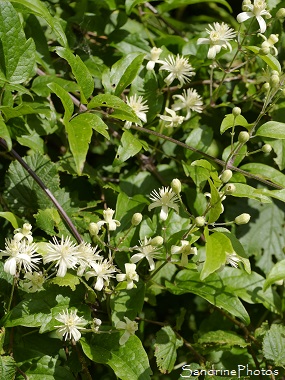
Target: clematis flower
(103,270)
(185,250)
(165,199)
(154,58)
(63,254)
(268,44)
(190,101)
(130,276)
(130,328)
(86,255)
(108,219)
(71,324)
(148,249)
(257,10)
(139,106)
(20,254)
(24,233)
(219,37)
(173,120)
(179,68)
(233,260)
(33,282)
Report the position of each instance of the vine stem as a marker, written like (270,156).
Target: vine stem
(209,157)
(63,214)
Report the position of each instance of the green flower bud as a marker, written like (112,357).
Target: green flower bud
(236,111)
(136,219)
(226,176)
(93,229)
(158,240)
(242,219)
(243,137)
(265,87)
(267,148)
(274,72)
(273,39)
(280,14)
(274,80)
(265,49)
(176,186)
(230,188)
(200,221)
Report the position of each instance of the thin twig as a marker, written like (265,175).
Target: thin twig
(45,189)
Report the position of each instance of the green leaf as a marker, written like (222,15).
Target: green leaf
(279,149)
(4,134)
(212,289)
(265,238)
(37,8)
(223,339)
(33,141)
(18,61)
(127,303)
(268,58)
(128,147)
(65,99)
(125,70)
(8,368)
(13,219)
(217,248)
(24,109)
(266,172)
(129,362)
(277,194)
(48,220)
(69,280)
(249,287)
(277,273)
(216,204)
(130,4)
(122,110)
(245,191)
(274,345)
(272,129)
(171,4)
(166,345)
(80,72)
(230,121)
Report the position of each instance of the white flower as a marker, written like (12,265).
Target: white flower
(108,219)
(190,100)
(24,233)
(33,282)
(21,255)
(139,106)
(233,260)
(184,250)
(268,44)
(219,37)
(179,68)
(71,325)
(173,120)
(86,255)
(103,271)
(147,250)
(257,9)
(130,328)
(130,276)
(154,58)
(165,199)
(63,254)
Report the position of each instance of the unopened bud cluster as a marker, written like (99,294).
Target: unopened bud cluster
(274,79)
(200,221)
(230,188)
(243,137)
(176,186)
(226,176)
(267,148)
(136,219)
(242,219)
(236,111)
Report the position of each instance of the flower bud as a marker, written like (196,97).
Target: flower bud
(265,87)
(273,39)
(93,229)
(200,221)
(243,137)
(245,5)
(274,80)
(158,240)
(236,111)
(265,49)
(226,176)
(267,148)
(176,186)
(136,219)
(280,14)
(242,219)
(230,188)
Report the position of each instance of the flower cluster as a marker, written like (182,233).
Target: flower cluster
(257,10)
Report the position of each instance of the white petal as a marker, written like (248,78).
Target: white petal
(262,24)
(164,212)
(124,338)
(202,41)
(150,65)
(244,16)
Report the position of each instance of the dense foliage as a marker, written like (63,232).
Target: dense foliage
(142,203)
